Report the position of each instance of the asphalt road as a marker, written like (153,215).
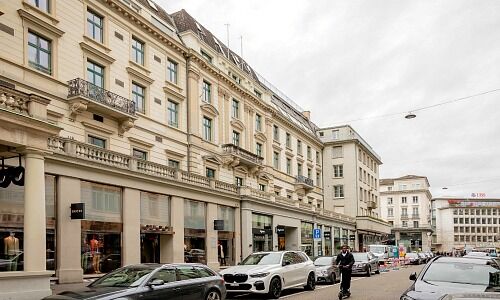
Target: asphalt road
(386,286)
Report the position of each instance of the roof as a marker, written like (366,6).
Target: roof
(390,181)
(159,12)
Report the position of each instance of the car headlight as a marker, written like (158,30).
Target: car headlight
(259,275)
(364,264)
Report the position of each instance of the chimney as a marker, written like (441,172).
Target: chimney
(307,114)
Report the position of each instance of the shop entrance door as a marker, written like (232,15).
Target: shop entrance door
(150,248)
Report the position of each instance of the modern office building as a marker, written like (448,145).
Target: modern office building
(171,141)
(465,223)
(405,203)
(351,182)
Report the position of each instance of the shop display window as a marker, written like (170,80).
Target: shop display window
(195,232)
(306,231)
(225,245)
(262,233)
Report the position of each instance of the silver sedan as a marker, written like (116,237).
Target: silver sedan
(326,269)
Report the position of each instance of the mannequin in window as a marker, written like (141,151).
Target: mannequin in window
(11,250)
(96,255)
(222,258)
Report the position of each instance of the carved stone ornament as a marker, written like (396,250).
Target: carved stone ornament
(125,126)
(77,108)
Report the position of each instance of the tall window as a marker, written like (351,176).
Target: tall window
(95,26)
(172,71)
(138,96)
(239,181)
(299,147)
(276,160)
(288,166)
(415,224)
(207,129)
(390,212)
(389,201)
(95,74)
(210,173)
(299,169)
(39,53)
(335,134)
(403,200)
(318,179)
(404,211)
(288,140)
(262,187)
(309,153)
(405,224)
(309,173)
(236,138)
(338,171)
(415,211)
(174,164)
(140,154)
(338,191)
(258,94)
(207,92)
(206,56)
(137,51)
(258,149)
(236,109)
(317,158)
(41,5)
(415,199)
(96,141)
(173,114)
(276,133)
(258,122)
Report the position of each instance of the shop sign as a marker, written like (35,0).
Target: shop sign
(260,231)
(352,237)
(327,235)
(77,211)
(316,233)
(280,230)
(218,224)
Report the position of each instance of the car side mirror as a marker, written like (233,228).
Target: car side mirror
(156,282)
(413,276)
(286,263)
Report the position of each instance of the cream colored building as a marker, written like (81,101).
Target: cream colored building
(465,223)
(351,180)
(160,130)
(405,203)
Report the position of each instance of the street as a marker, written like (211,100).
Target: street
(386,286)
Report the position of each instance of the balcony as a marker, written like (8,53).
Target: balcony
(404,217)
(371,204)
(236,156)
(415,216)
(83,95)
(303,182)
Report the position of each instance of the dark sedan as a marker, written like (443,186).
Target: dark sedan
(365,263)
(153,281)
(448,275)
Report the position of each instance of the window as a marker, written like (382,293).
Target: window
(99,142)
(138,96)
(415,211)
(403,200)
(335,134)
(39,53)
(140,154)
(95,26)
(95,74)
(236,109)
(258,94)
(172,71)
(258,122)
(391,223)
(288,166)
(337,152)
(390,212)
(41,5)
(415,224)
(206,56)
(207,129)
(338,191)
(299,147)
(338,171)
(258,149)
(173,114)
(174,164)
(262,187)
(404,211)
(405,224)
(389,201)
(137,51)
(299,169)
(309,173)
(239,181)
(309,153)
(321,134)
(276,133)
(288,140)
(318,179)
(415,199)
(207,92)
(276,160)
(236,138)
(317,157)
(389,188)
(210,173)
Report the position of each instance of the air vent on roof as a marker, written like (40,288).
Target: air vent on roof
(153,5)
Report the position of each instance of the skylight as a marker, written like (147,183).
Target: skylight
(153,5)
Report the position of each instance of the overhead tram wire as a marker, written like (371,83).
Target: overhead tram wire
(420,108)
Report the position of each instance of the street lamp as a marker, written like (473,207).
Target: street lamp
(410,115)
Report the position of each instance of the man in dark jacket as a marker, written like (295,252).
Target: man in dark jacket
(345,261)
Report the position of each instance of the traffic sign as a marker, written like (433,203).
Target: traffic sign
(316,233)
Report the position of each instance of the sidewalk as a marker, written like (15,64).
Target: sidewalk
(57,288)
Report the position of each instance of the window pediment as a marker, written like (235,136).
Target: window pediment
(260,136)
(209,109)
(139,75)
(28,17)
(212,159)
(241,170)
(238,124)
(97,53)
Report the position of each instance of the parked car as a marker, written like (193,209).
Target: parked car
(445,275)
(110,262)
(477,253)
(326,269)
(365,263)
(195,256)
(153,281)
(425,256)
(271,273)
(413,258)
(469,296)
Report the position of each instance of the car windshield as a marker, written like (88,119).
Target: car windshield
(124,277)
(323,261)
(463,273)
(360,256)
(377,249)
(262,259)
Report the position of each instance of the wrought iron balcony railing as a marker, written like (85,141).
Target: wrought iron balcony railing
(81,88)
(305,180)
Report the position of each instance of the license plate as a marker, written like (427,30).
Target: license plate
(234,284)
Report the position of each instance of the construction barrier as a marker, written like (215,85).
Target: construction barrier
(383,267)
(395,264)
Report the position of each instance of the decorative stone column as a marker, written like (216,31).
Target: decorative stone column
(172,249)
(212,237)
(246,232)
(131,226)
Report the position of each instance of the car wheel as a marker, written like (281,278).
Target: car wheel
(369,272)
(213,295)
(275,288)
(333,279)
(311,282)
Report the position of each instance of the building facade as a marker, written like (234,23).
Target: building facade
(405,203)
(160,131)
(351,180)
(465,223)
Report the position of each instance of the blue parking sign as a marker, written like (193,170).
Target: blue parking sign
(316,233)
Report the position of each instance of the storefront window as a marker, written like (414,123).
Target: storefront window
(12,226)
(155,225)
(102,228)
(344,238)
(262,232)
(336,240)
(225,246)
(194,232)
(306,233)
(328,235)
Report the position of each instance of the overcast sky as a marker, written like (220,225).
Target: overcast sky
(349,60)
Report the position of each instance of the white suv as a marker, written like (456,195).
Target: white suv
(271,272)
